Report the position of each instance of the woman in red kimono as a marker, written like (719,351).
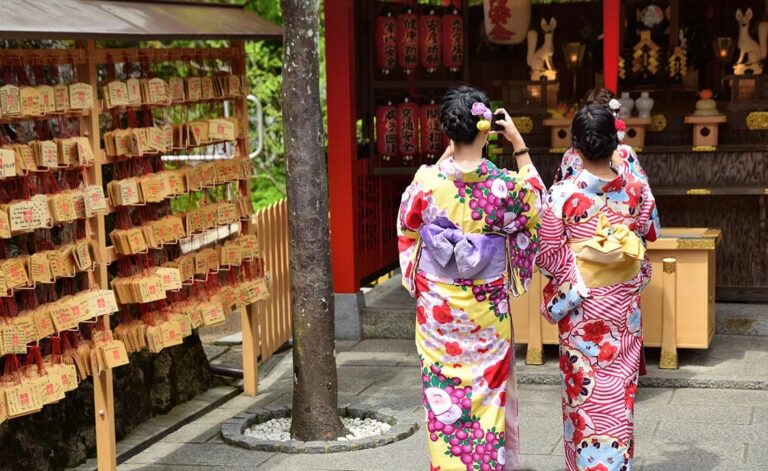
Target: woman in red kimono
(593,254)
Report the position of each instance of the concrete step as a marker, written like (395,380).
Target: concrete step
(390,313)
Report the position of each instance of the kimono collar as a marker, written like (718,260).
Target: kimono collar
(486,169)
(591,183)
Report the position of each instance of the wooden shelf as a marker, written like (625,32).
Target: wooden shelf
(394,170)
(418,84)
(111,159)
(711,191)
(151,106)
(67,114)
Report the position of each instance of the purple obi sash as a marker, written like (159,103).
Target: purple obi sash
(449,252)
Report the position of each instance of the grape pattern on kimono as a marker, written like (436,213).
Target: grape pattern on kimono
(450,419)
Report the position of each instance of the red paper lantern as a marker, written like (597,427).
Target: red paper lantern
(408,129)
(453,41)
(386,43)
(408,41)
(386,131)
(431,144)
(430,29)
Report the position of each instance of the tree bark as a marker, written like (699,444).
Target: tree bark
(315,390)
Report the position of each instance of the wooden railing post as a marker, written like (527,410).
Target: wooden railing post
(669,358)
(103,398)
(248,317)
(535,350)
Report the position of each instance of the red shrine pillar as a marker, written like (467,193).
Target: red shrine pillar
(611,23)
(342,156)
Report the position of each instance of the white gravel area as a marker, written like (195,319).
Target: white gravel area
(279,429)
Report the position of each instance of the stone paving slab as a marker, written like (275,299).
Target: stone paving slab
(161,426)
(731,361)
(676,429)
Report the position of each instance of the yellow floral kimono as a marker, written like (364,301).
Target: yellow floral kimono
(466,239)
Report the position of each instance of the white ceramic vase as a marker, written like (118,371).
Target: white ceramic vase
(627,104)
(644,105)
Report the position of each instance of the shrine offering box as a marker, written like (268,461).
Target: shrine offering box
(692,307)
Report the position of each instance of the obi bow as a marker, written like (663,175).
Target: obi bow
(612,244)
(471,253)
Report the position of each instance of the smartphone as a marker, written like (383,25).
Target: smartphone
(497,117)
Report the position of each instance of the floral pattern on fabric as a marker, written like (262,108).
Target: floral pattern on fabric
(571,163)
(578,376)
(450,423)
(599,340)
(603,453)
(463,325)
(601,337)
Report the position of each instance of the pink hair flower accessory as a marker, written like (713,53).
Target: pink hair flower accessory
(479,109)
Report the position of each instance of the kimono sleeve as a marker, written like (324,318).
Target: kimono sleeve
(409,222)
(632,162)
(648,226)
(566,288)
(523,228)
(569,165)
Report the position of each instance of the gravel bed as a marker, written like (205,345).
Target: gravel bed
(279,429)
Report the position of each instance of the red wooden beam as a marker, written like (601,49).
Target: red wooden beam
(342,144)
(611,20)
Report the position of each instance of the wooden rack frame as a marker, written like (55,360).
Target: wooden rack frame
(86,56)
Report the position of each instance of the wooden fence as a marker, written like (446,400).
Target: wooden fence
(273,315)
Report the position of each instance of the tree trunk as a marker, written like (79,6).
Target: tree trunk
(315,389)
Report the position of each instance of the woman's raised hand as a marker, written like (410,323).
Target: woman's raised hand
(510,130)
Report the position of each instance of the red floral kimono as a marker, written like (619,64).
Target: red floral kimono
(592,251)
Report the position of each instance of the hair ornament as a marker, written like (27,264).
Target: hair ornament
(479,109)
(614,105)
(621,129)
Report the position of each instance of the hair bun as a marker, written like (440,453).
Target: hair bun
(456,113)
(594,132)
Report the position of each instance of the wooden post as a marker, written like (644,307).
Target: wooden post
(535,350)
(342,143)
(248,317)
(103,399)
(669,315)
(611,33)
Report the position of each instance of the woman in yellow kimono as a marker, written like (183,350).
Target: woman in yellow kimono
(467,236)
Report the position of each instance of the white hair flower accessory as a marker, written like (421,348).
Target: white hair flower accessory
(614,104)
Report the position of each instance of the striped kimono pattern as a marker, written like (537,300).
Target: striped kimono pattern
(600,328)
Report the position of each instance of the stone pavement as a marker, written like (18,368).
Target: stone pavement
(677,428)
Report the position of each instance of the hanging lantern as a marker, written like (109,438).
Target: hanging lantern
(407,129)
(431,144)
(430,29)
(453,40)
(386,131)
(507,21)
(408,41)
(386,43)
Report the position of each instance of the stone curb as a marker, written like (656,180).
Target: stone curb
(232,431)
(656,382)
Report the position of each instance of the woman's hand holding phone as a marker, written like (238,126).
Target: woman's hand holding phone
(511,133)
(507,128)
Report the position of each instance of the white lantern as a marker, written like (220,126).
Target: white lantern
(507,21)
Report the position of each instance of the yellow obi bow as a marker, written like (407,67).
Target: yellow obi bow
(612,256)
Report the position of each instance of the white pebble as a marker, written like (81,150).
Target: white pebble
(280,429)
